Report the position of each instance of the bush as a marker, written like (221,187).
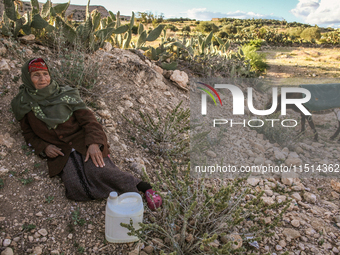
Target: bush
(75,70)
(257,43)
(311,33)
(197,22)
(222,34)
(207,27)
(198,211)
(294,32)
(186,29)
(164,135)
(134,29)
(230,29)
(256,60)
(172,27)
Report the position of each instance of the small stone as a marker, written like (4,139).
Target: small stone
(278,248)
(30,37)
(309,197)
(4,65)
(105,114)
(281,199)
(253,181)
(128,103)
(268,200)
(7,251)
(158,69)
(293,162)
(259,161)
(310,231)
(296,196)
(3,51)
(30,238)
(55,252)
(6,242)
(335,250)
(295,223)
(39,214)
(279,155)
(107,46)
(3,171)
(267,220)
(233,238)
(211,154)
(37,250)
(290,233)
(335,185)
(269,192)
(337,218)
(327,246)
(148,249)
(282,243)
(90,226)
(180,77)
(16,239)
(141,100)
(29,52)
(158,242)
(70,236)
(7,140)
(43,232)
(335,195)
(167,94)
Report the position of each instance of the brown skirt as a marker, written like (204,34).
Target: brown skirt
(84,181)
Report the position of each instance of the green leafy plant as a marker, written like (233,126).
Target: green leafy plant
(49,199)
(28,227)
(2,184)
(256,60)
(75,215)
(26,181)
(197,212)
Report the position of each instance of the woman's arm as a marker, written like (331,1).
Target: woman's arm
(94,136)
(31,138)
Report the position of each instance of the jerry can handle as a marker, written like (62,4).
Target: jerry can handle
(130,195)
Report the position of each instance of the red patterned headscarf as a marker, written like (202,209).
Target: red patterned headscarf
(37,64)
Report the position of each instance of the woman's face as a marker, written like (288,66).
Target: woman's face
(41,79)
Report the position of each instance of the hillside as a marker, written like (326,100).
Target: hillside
(36,218)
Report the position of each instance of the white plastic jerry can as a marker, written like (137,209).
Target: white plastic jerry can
(120,209)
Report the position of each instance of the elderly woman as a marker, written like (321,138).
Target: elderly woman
(57,124)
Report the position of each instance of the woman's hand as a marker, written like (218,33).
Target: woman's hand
(96,155)
(53,151)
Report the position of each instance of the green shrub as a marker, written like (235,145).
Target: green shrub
(230,29)
(76,70)
(206,27)
(172,27)
(222,34)
(256,60)
(311,33)
(165,135)
(134,29)
(198,211)
(257,43)
(186,29)
(197,22)
(295,31)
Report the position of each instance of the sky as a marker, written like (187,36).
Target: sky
(324,13)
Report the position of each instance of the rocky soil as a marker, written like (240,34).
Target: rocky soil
(36,218)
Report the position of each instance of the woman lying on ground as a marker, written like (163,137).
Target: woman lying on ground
(57,124)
